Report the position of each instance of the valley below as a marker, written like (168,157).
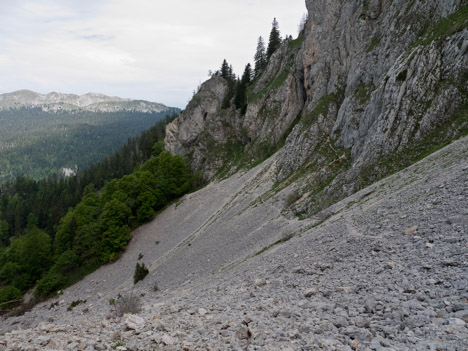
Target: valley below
(320,202)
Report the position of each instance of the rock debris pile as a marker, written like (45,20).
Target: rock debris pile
(388,270)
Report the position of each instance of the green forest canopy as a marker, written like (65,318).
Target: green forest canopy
(50,250)
(37,143)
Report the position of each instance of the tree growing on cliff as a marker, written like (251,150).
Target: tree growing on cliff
(240,99)
(260,58)
(227,73)
(302,24)
(275,39)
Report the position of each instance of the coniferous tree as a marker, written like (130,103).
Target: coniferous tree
(225,73)
(260,58)
(275,39)
(247,75)
(303,23)
(240,99)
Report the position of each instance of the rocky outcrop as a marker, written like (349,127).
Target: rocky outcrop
(200,128)
(368,88)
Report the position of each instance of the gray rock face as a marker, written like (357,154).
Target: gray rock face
(367,81)
(383,88)
(199,128)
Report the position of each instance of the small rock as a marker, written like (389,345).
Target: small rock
(167,340)
(134,322)
(260,282)
(411,230)
(45,339)
(310,292)
(243,332)
(186,346)
(457,321)
(429,245)
(202,311)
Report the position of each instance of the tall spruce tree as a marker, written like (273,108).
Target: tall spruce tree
(240,99)
(275,39)
(247,75)
(260,58)
(225,70)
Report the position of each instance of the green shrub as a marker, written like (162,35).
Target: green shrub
(75,303)
(50,283)
(140,272)
(7,294)
(126,304)
(293,197)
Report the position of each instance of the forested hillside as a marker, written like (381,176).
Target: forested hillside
(36,143)
(58,229)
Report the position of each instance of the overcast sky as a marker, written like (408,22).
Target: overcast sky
(146,49)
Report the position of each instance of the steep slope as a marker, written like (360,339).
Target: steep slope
(368,88)
(293,245)
(385,270)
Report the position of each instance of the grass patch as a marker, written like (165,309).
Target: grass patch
(75,303)
(374,42)
(362,93)
(280,241)
(321,108)
(274,84)
(448,26)
(294,44)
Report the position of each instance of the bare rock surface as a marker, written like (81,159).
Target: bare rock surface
(351,280)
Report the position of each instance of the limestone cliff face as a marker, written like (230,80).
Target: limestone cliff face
(368,86)
(200,127)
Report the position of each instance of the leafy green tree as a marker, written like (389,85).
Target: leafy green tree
(114,241)
(158,148)
(115,213)
(147,203)
(66,262)
(66,232)
(171,174)
(260,58)
(9,271)
(8,293)
(50,283)
(275,39)
(33,252)
(28,258)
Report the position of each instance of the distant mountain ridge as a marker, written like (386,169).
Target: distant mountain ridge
(95,102)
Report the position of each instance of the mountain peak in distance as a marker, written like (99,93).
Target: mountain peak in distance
(95,102)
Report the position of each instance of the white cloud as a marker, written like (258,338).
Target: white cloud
(146,49)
